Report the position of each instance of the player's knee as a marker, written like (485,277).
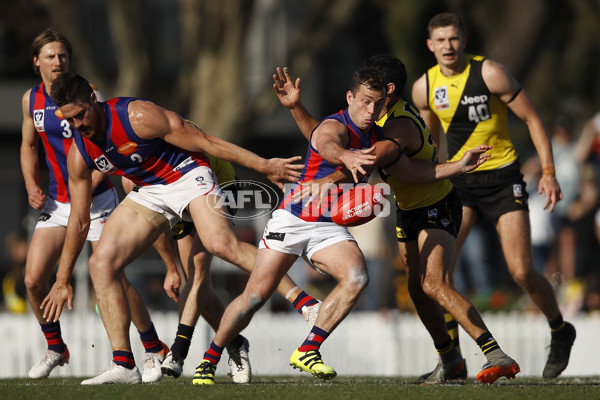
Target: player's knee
(524,278)
(225,250)
(101,269)
(357,281)
(33,283)
(434,288)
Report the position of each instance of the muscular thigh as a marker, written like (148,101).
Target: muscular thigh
(126,235)
(269,269)
(515,237)
(436,252)
(409,258)
(44,249)
(212,226)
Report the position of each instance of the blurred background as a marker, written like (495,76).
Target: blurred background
(213,61)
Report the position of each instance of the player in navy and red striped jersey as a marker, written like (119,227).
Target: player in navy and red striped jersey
(42,119)
(316,167)
(164,155)
(343,139)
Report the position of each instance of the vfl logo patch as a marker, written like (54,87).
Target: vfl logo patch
(44,217)
(517,190)
(440,98)
(275,236)
(38,120)
(104,165)
(432,213)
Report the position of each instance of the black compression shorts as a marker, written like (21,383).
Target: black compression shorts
(493,193)
(446,215)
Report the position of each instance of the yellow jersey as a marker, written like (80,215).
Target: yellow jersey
(470,115)
(412,196)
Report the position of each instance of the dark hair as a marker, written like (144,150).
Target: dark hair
(70,88)
(48,36)
(369,77)
(445,19)
(392,69)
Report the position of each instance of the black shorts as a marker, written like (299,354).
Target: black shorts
(446,215)
(493,193)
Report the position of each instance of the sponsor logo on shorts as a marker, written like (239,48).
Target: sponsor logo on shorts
(44,217)
(400,234)
(432,213)
(445,222)
(517,190)
(275,236)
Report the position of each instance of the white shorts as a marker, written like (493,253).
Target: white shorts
(56,213)
(289,234)
(171,200)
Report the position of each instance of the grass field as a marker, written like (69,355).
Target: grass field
(305,388)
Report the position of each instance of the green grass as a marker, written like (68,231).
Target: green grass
(305,388)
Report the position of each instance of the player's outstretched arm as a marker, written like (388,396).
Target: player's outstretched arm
(420,171)
(150,121)
(288,93)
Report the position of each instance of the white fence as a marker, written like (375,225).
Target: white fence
(378,344)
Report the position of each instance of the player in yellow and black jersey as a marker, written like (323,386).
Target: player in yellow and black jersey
(464,99)
(428,214)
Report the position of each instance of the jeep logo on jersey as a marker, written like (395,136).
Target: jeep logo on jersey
(474,99)
(127,148)
(104,165)
(249,200)
(440,98)
(38,119)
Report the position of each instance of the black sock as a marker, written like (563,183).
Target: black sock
(446,350)
(487,343)
(183,339)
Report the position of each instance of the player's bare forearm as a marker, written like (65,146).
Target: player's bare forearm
(305,122)
(421,171)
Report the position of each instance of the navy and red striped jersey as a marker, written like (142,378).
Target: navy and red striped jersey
(57,136)
(122,152)
(315,167)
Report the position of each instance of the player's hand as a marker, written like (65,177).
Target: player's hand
(61,293)
(355,160)
(36,197)
(287,91)
(549,185)
(474,158)
(280,170)
(172,284)
(313,191)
